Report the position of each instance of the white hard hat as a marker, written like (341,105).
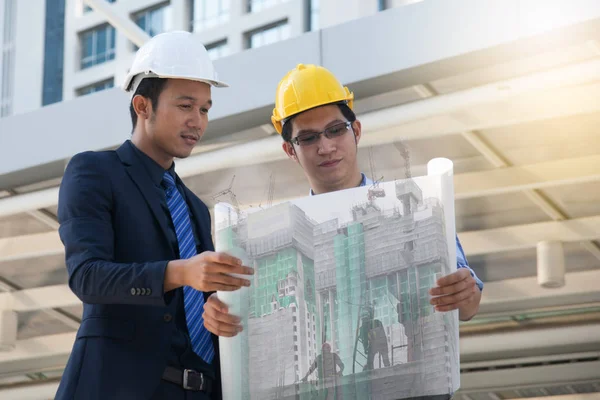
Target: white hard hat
(176,54)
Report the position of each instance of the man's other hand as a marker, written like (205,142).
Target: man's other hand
(458,290)
(218,320)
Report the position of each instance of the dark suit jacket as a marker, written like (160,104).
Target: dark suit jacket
(113,229)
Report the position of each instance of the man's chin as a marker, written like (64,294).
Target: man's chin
(183,154)
(332,176)
(332,183)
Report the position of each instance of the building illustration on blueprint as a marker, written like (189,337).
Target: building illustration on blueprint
(339,306)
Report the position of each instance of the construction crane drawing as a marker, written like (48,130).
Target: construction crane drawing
(406,156)
(232,197)
(270,191)
(374,190)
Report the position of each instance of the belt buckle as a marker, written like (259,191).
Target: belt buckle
(193,380)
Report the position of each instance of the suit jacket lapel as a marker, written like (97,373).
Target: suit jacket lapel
(142,180)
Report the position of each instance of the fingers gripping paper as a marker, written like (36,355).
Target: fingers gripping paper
(339,304)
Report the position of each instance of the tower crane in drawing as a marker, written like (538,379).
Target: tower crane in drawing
(375,190)
(232,197)
(406,156)
(270,191)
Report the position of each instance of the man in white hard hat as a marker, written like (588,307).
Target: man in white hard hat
(138,243)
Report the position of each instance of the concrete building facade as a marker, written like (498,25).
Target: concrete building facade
(57,50)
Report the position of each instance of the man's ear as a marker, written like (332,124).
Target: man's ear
(357,128)
(289,150)
(142,106)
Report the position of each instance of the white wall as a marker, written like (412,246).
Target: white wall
(240,22)
(399,3)
(331,13)
(75,78)
(30,31)
(234,31)
(30,37)
(76,22)
(1,40)
(29,56)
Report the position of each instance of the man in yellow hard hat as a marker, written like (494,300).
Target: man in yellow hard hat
(314,115)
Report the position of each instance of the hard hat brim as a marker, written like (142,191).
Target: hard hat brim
(212,82)
(130,84)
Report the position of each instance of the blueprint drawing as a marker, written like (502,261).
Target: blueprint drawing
(339,306)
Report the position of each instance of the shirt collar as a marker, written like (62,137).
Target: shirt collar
(155,171)
(364,182)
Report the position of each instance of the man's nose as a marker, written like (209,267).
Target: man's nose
(195,122)
(326,145)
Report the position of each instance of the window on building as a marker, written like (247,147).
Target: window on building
(54,43)
(155,20)
(209,13)
(382,5)
(87,8)
(8,58)
(268,35)
(97,45)
(96,87)
(313,15)
(253,6)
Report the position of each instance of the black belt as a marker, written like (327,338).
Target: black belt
(188,379)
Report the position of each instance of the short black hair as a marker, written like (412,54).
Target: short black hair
(286,130)
(150,88)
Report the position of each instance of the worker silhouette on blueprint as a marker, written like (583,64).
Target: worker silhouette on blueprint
(374,340)
(326,364)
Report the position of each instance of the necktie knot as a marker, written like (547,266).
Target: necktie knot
(168,182)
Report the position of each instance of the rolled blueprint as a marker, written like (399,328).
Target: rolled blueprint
(444,168)
(233,371)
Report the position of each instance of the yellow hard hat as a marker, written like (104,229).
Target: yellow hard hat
(305,87)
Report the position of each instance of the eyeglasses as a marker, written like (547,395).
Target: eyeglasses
(334,131)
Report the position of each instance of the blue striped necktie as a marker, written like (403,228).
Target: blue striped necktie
(193,299)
